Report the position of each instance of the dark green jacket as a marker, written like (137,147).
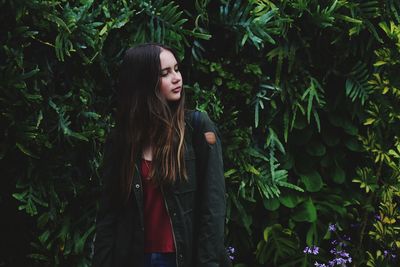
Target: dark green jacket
(196,207)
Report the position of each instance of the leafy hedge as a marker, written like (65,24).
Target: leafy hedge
(306,95)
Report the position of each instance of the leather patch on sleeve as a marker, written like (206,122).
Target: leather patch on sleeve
(210,137)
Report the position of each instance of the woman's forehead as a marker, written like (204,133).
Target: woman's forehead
(167,59)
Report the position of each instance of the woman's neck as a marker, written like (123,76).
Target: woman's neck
(147,153)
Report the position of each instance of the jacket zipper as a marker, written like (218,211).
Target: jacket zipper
(173,234)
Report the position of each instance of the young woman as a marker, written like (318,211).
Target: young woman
(164,197)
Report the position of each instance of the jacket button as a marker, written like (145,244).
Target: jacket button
(137,186)
(174,216)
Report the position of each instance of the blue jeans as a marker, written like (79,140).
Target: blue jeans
(159,260)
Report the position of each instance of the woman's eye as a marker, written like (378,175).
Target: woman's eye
(177,69)
(163,74)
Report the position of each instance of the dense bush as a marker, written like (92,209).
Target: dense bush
(306,94)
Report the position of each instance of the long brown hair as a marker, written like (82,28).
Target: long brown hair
(145,118)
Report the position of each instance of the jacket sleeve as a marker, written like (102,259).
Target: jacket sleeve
(212,207)
(106,217)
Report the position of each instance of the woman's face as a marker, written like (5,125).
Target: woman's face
(171,78)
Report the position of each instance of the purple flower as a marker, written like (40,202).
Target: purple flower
(311,250)
(332,227)
(377,217)
(389,254)
(339,255)
(230,251)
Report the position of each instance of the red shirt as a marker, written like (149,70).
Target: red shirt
(158,236)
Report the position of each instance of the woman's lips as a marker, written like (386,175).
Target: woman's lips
(176,90)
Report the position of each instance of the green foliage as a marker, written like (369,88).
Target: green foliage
(357,86)
(317,106)
(381,142)
(249,22)
(58,72)
(305,94)
(278,244)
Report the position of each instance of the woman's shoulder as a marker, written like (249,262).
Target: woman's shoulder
(202,125)
(199,120)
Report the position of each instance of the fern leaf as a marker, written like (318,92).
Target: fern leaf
(357,85)
(290,186)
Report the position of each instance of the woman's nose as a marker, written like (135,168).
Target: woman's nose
(177,77)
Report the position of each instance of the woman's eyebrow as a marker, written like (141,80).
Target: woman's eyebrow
(167,68)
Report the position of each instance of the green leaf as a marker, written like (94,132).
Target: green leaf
(306,212)
(286,125)
(44,237)
(271,204)
(78,136)
(60,23)
(81,240)
(357,86)
(354,145)
(349,127)
(92,115)
(369,121)
(287,161)
(20,196)
(30,74)
(312,235)
(316,149)
(312,181)
(336,120)
(104,30)
(229,172)
(279,243)
(317,121)
(43,220)
(26,151)
(290,200)
(300,123)
(245,218)
(338,175)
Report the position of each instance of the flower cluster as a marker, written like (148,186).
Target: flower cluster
(389,254)
(230,251)
(311,250)
(340,256)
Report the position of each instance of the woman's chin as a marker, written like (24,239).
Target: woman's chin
(174,98)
